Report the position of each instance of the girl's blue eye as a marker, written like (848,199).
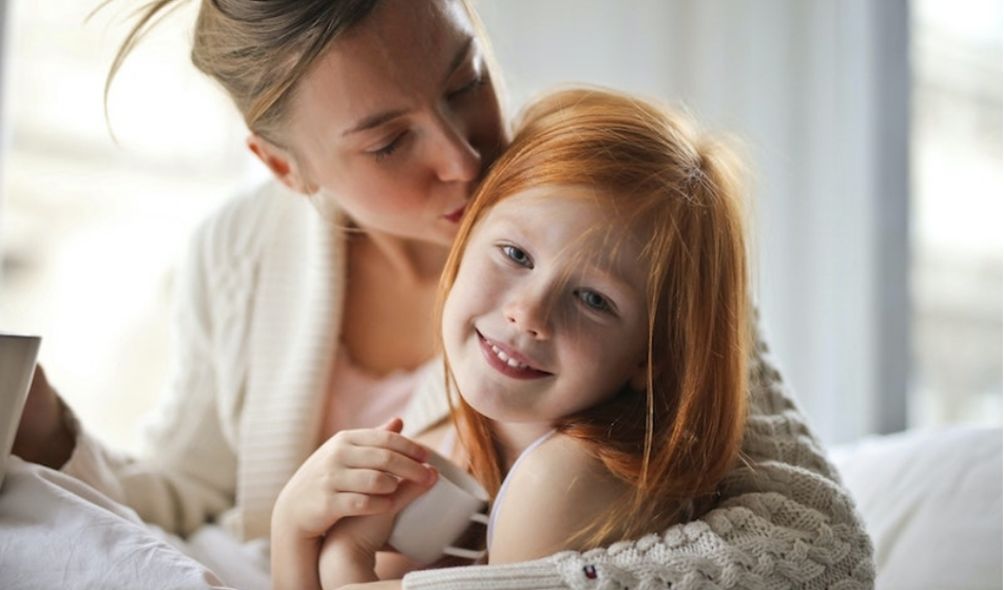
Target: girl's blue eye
(594,300)
(517,255)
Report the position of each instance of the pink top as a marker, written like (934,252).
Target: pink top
(363,400)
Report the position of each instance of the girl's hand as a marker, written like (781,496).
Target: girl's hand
(43,435)
(355,472)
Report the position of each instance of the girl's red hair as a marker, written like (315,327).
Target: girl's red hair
(678,192)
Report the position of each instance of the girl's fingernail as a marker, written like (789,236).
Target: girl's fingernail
(431,475)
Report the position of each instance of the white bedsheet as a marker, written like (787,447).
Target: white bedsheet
(57,532)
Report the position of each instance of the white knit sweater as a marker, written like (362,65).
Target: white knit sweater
(257,319)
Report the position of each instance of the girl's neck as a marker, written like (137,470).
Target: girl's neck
(514,437)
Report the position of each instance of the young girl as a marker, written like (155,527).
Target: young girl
(594,316)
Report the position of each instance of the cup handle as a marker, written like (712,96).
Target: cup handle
(471,554)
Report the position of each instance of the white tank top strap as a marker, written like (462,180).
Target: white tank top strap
(505,482)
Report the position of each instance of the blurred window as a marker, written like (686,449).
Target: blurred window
(91,228)
(958,201)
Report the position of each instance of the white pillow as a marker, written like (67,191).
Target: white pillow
(932,504)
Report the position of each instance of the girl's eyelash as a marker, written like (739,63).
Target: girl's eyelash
(599,303)
(517,255)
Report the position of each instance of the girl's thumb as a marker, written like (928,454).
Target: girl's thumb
(394,425)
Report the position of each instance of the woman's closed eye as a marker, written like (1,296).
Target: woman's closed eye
(388,148)
(470,86)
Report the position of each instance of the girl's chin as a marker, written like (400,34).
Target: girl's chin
(487,407)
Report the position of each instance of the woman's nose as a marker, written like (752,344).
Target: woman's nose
(458,160)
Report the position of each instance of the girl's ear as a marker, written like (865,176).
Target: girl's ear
(281,163)
(639,379)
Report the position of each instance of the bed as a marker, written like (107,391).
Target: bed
(931,501)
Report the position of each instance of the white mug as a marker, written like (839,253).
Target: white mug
(426,528)
(17,365)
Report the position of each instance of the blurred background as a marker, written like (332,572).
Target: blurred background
(874,130)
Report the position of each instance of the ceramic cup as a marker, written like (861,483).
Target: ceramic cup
(426,529)
(17,364)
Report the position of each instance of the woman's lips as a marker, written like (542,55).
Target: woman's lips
(456,215)
(507,361)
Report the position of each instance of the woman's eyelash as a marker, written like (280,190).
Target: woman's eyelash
(475,83)
(388,149)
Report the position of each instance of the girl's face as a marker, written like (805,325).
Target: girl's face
(397,121)
(545,319)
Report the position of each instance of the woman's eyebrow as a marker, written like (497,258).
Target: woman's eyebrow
(378,119)
(374,120)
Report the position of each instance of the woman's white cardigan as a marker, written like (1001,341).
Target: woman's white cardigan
(257,317)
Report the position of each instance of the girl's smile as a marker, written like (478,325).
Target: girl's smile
(508,360)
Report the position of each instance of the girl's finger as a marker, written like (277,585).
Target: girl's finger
(393,425)
(351,504)
(391,441)
(388,462)
(365,481)
(408,492)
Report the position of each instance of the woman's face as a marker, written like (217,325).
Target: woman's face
(397,121)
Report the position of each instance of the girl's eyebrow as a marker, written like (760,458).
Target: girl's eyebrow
(378,119)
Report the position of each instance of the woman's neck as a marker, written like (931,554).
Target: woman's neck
(411,261)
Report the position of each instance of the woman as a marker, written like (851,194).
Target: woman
(300,332)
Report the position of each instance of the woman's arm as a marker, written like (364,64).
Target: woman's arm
(783,520)
(186,474)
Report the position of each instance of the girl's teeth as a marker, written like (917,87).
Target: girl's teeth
(506,359)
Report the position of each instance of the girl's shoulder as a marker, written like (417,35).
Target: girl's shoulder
(555,491)
(560,456)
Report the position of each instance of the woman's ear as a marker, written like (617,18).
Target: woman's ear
(281,163)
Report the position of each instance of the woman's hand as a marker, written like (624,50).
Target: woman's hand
(43,435)
(354,473)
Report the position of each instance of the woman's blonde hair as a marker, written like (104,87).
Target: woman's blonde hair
(679,194)
(258,50)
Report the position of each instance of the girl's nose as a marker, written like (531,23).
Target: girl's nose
(528,314)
